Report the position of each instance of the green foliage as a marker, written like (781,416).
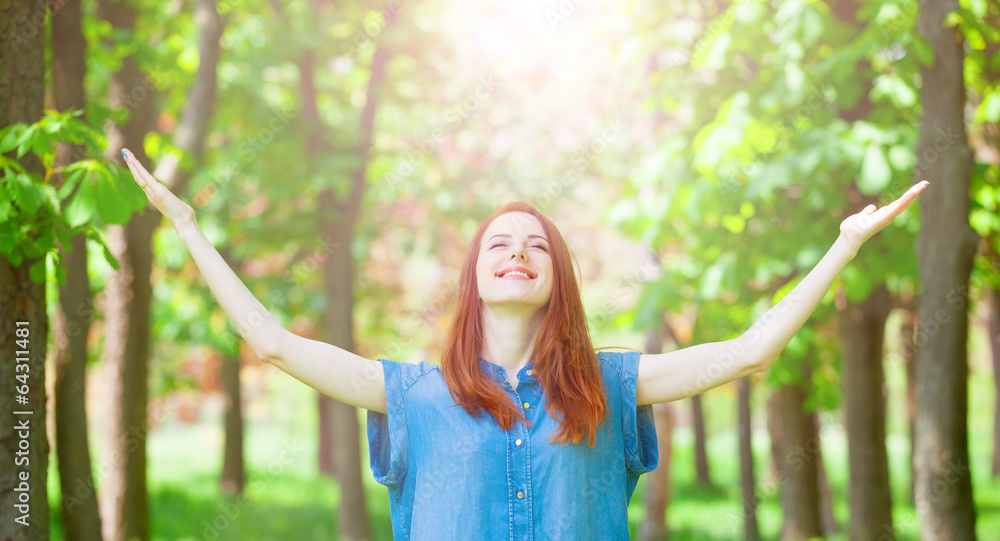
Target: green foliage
(41,211)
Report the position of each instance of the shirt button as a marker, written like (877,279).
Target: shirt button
(520,494)
(527,405)
(518,442)
(528,372)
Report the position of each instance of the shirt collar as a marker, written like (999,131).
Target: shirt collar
(499,373)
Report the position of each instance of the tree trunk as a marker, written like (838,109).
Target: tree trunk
(799,445)
(337,217)
(748,485)
(325,442)
(774,430)
(945,249)
(656,496)
(700,453)
(124,498)
(24,446)
(827,517)
(353,516)
(862,330)
(907,331)
(80,516)
(233,476)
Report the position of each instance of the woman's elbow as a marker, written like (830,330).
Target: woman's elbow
(268,346)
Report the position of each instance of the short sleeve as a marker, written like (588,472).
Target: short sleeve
(638,425)
(388,437)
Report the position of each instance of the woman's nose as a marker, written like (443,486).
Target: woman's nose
(517,252)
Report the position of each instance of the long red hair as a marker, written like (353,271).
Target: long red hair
(566,365)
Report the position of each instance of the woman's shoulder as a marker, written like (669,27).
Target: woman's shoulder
(616,356)
(406,374)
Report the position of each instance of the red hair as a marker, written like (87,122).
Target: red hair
(566,365)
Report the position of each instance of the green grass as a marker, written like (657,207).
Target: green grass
(286,499)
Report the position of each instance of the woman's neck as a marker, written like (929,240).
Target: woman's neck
(509,336)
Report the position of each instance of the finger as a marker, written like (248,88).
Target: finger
(898,206)
(144,175)
(136,175)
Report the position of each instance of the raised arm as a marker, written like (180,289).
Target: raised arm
(331,370)
(686,372)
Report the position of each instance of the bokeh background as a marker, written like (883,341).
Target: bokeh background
(698,156)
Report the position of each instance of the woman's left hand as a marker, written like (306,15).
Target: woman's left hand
(860,227)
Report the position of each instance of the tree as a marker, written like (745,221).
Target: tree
(862,328)
(124,497)
(79,505)
(656,497)
(336,223)
(748,486)
(233,473)
(800,441)
(945,250)
(24,446)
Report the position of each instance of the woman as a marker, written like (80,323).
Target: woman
(523,432)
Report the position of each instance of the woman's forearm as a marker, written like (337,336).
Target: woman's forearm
(252,320)
(771,333)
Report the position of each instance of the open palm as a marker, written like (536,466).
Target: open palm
(173,209)
(863,225)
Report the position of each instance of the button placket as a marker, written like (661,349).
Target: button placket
(520,482)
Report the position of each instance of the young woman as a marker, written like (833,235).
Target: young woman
(524,431)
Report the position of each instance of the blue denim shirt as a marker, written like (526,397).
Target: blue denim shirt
(455,476)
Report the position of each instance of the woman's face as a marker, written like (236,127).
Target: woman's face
(515,263)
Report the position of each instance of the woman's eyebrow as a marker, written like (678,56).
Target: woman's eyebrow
(508,236)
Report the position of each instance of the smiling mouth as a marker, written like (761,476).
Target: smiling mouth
(514,275)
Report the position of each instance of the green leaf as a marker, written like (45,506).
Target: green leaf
(8,138)
(37,271)
(26,193)
(875,171)
(82,206)
(990,107)
(109,202)
(97,237)
(70,179)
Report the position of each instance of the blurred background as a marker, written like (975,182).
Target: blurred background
(698,156)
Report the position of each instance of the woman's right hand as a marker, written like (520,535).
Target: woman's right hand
(179,213)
